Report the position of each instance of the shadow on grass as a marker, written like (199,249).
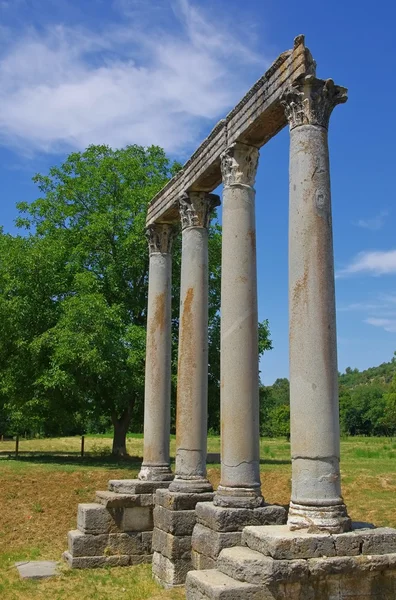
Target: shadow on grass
(106,460)
(70,458)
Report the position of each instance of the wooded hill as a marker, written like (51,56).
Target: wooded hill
(367,402)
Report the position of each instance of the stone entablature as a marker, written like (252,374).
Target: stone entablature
(254,121)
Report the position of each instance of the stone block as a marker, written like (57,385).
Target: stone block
(244,564)
(93,562)
(37,569)
(178,522)
(138,518)
(213,585)
(171,546)
(282,544)
(169,573)
(201,562)
(136,486)
(114,500)
(381,540)
(347,544)
(94,518)
(80,544)
(180,500)
(211,543)
(219,518)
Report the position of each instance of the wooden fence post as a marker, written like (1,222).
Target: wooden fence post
(16,446)
(82,446)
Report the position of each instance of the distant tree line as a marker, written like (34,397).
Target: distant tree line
(367,403)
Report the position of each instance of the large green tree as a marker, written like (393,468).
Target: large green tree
(73,294)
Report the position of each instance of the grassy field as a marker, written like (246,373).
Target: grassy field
(40,492)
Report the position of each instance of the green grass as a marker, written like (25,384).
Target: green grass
(41,491)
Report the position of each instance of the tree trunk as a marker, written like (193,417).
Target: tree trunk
(121,426)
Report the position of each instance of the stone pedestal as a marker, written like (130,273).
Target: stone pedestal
(116,530)
(174,520)
(278,564)
(218,528)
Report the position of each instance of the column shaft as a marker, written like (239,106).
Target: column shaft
(192,382)
(156,461)
(240,452)
(315,434)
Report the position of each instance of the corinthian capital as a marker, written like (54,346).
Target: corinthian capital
(160,237)
(239,164)
(310,101)
(195,208)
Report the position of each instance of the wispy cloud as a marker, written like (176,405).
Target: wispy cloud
(387,324)
(371,263)
(375,223)
(379,309)
(66,87)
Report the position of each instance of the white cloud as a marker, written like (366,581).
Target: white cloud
(387,324)
(371,263)
(68,87)
(375,223)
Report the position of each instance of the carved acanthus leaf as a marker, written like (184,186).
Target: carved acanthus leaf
(196,207)
(310,101)
(239,164)
(160,237)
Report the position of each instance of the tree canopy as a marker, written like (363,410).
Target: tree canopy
(73,295)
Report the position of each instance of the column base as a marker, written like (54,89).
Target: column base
(191,486)
(238,497)
(155,473)
(277,563)
(219,527)
(333,519)
(174,521)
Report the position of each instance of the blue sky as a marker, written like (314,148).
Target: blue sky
(75,72)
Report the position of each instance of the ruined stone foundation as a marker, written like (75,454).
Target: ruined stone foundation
(117,529)
(174,521)
(220,527)
(274,563)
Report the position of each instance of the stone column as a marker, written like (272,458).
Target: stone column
(192,385)
(315,436)
(240,452)
(156,461)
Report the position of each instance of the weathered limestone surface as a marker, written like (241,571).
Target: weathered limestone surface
(94,562)
(156,461)
(136,486)
(116,530)
(224,519)
(214,585)
(254,120)
(218,528)
(181,501)
(279,564)
(95,519)
(170,573)
(81,544)
(315,435)
(174,521)
(192,381)
(37,569)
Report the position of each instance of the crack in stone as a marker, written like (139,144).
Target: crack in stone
(243,462)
